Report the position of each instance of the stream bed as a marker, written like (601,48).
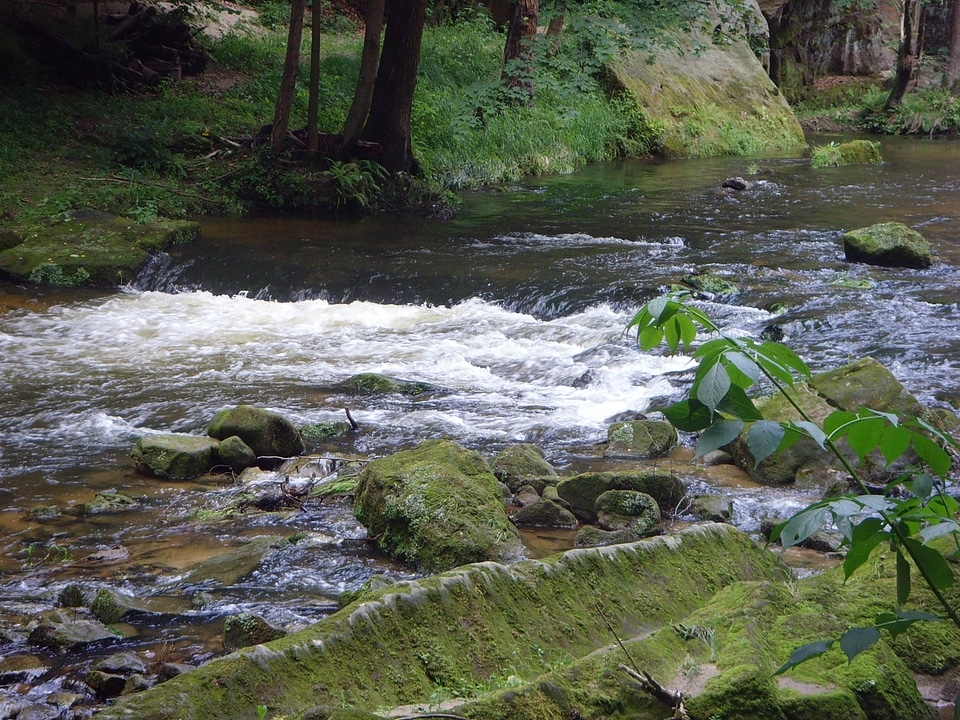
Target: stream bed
(516,308)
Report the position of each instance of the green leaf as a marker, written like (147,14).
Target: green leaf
(903,578)
(889,417)
(745,371)
(864,435)
(737,403)
(855,640)
(717,436)
(902,620)
(713,386)
(688,330)
(863,539)
(650,337)
(804,653)
(813,432)
(712,348)
(894,442)
(936,458)
(672,333)
(802,525)
(933,564)
(763,439)
(921,485)
(945,527)
(836,420)
(657,308)
(785,357)
(689,415)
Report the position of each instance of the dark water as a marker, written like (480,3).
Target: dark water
(516,307)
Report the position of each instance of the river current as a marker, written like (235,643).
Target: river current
(515,309)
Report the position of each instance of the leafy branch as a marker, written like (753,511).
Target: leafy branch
(719,409)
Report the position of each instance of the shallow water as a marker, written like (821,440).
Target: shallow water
(515,309)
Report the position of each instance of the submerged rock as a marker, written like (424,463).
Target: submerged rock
(69,629)
(175,457)
(545,513)
(376,384)
(890,244)
(436,506)
(265,431)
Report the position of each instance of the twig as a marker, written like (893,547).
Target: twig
(353,423)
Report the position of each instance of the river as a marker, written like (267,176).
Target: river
(516,308)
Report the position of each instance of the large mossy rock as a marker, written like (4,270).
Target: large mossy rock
(890,244)
(264,431)
(522,464)
(583,490)
(436,506)
(176,457)
(91,248)
(702,98)
(69,629)
(397,645)
(855,152)
(865,383)
(628,510)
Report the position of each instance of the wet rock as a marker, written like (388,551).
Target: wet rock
(68,629)
(247,629)
(735,183)
(92,248)
(136,683)
(104,503)
(105,684)
(376,384)
(866,383)
(526,495)
(265,431)
(855,152)
(318,432)
(108,555)
(236,454)
(11,708)
(709,284)
(64,701)
(75,595)
(545,513)
(111,606)
(888,244)
(716,457)
(122,663)
(42,514)
(21,668)
(523,464)
(640,438)
(582,490)
(437,506)
(38,712)
(590,536)
(230,567)
(175,457)
(714,508)
(628,510)
(168,671)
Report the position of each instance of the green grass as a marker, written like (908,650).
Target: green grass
(169,152)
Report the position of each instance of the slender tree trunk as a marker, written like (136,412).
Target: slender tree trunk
(907,55)
(313,104)
(388,122)
(518,49)
(554,29)
(369,62)
(281,116)
(951,77)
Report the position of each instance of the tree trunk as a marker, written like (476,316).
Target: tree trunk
(907,55)
(363,95)
(518,49)
(554,29)
(313,104)
(951,76)
(388,122)
(281,116)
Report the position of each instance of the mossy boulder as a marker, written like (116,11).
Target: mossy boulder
(236,454)
(628,510)
(709,284)
(865,383)
(397,645)
(91,248)
(640,438)
(582,490)
(106,502)
(890,244)
(265,431)
(855,152)
(436,506)
(522,464)
(175,457)
(68,629)
(702,98)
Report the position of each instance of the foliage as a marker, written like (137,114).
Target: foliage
(356,183)
(719,409)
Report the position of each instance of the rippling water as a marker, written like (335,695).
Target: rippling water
(515,310)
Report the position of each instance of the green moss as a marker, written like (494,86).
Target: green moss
(522,464)
(848,153)
(888,244)
(375,384)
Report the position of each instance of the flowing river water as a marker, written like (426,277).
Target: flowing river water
(516,308)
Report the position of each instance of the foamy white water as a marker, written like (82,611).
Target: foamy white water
(93,375)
